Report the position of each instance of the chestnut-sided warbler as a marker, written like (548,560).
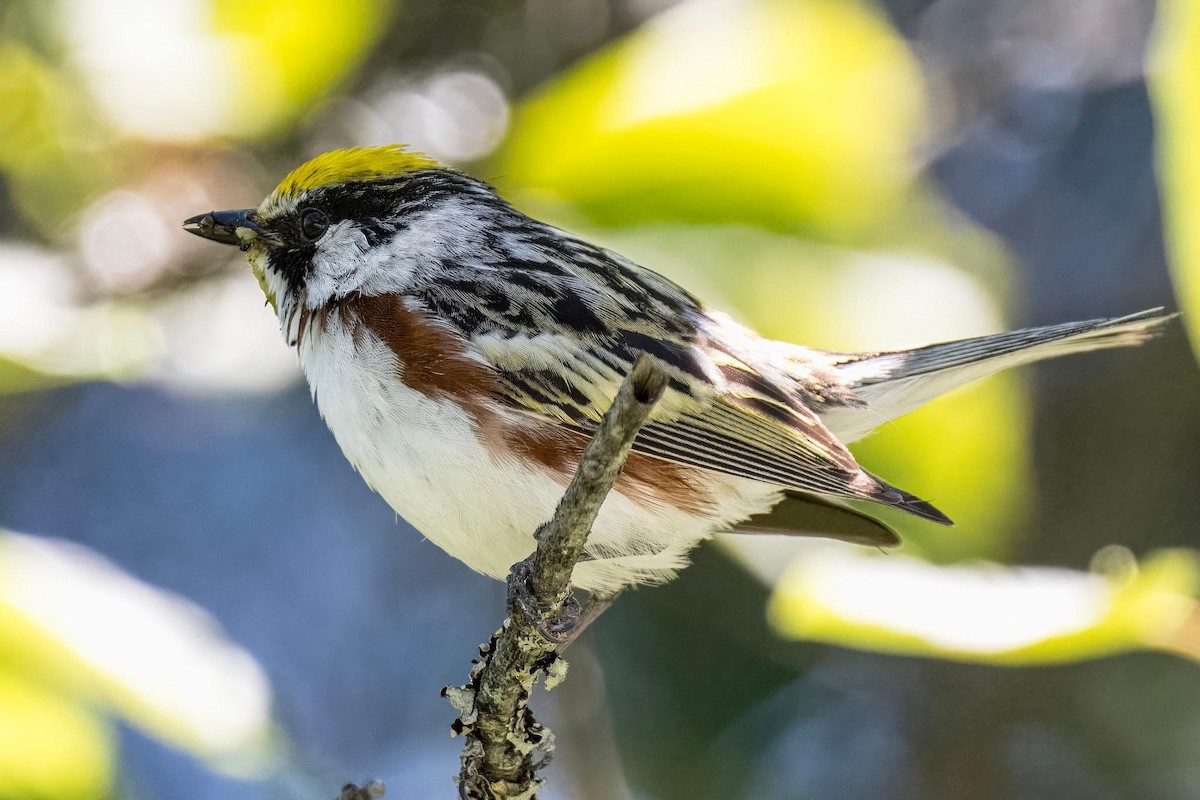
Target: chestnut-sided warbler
(462,353)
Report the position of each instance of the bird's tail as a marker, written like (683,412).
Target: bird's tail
(894,383)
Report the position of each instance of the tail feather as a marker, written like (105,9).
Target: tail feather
(906,501)
(896,382)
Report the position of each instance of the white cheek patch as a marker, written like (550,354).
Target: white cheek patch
(338,266)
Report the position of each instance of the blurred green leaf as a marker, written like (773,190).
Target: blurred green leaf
(291,52)
(988,613)
(775,113)
(968,453)
(16,377)
(81,628)
(1173,70)
(50,745)
(30,94)
(44,124)
(100,343)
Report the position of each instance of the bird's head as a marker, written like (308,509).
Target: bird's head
(354,220)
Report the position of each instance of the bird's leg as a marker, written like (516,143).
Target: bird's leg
(551,623)
(596,605)
(559,626)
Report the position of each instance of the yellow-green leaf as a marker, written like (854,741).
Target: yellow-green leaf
(218,68)
(76,624)
(1174,70)
(50,746)
(290,52)
(774,112)
(988,613)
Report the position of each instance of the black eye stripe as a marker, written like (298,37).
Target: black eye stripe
(378,209)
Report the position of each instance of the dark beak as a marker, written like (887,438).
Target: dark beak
(221,226)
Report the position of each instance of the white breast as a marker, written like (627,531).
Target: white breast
(423,456)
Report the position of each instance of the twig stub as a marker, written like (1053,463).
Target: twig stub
(371,790)
(649,380)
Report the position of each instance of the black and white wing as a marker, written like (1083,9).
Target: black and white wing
(563,327)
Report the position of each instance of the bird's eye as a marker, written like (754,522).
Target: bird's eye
(313,224)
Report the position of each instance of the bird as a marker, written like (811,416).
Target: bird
(462,353)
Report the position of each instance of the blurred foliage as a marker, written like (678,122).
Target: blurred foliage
(768,112)
(943,450)
(1174,65)
(82,638)
(51,746)
(47,138)
(48,339)
(17,377)
(286,54)
(36,104)
(765,154)
(992,614)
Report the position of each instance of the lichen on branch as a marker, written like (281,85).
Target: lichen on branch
(505,746)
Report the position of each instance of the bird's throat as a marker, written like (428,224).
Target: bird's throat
(257,258)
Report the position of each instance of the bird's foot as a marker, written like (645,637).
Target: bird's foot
(562,625)
(554,624)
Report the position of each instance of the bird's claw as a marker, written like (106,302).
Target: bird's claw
(557,626)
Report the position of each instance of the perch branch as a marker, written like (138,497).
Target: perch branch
(502,737)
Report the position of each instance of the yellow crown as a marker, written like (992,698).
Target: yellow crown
(352,164)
